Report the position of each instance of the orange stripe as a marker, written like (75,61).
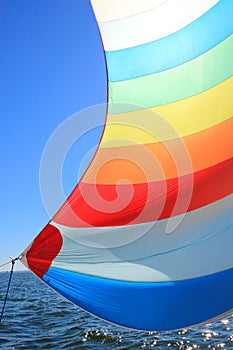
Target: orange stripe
(162,160)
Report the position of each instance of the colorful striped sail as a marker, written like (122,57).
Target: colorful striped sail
(145,239)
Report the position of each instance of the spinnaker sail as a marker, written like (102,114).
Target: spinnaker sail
(145,239)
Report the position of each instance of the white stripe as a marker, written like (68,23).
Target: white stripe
(152,25)
(110,10)
(200,245)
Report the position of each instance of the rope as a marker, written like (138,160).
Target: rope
(8,287)
(8,262)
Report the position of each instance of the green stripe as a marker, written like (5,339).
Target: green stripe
(174,84)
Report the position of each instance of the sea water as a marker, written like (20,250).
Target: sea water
(36,317)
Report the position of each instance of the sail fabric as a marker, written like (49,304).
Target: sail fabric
(145,238)
(156,53)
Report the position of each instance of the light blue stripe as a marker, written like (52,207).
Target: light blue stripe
(186,44)
(147,306)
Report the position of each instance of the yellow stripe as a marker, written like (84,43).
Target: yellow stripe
(172,120)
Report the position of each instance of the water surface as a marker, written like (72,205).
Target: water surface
(36,317)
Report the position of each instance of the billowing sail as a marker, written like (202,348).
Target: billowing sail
(145,239)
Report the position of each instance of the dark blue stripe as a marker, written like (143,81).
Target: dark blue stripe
(147,306)
(184,45)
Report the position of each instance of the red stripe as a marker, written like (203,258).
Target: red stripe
(108,205)
(43,250)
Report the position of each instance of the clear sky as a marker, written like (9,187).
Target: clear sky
(51,66)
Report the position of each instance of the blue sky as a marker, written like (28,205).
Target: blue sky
(51,66)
